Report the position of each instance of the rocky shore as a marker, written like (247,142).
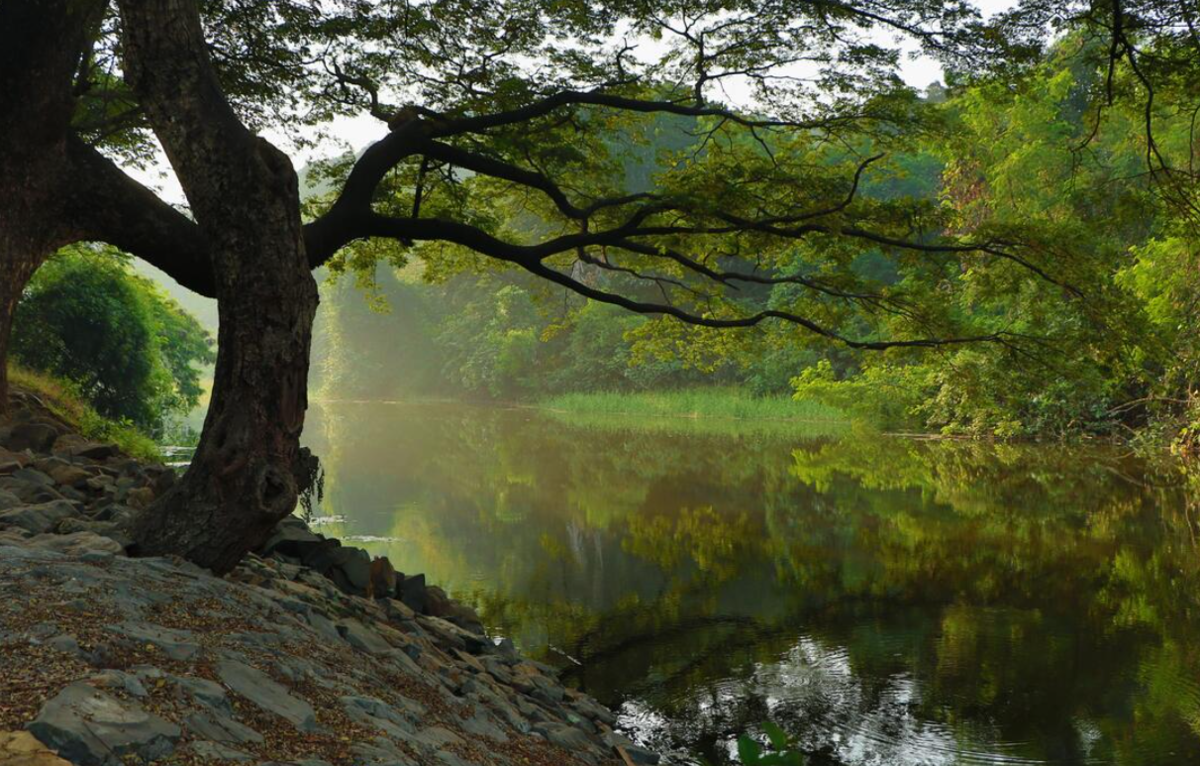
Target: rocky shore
(309,653)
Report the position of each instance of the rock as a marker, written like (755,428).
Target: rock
(39,437)
(638,755)
(92,728)
(437,603)
(413,593)
(38,518)
(347,567)
(263,691)
(20,748)
(93,451)
(214,751)
(70,475)
(33,476)
(8,500)
(438,737)
(373,712)
(8,456)
(209,693)
(362,638)
(139,498)
(291,540)
(382,578)
(220,728)
(465,617)
(566,737)
(77,544)
(176,644)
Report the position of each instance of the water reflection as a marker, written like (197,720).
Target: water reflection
(889,601)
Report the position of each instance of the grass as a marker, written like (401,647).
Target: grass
(697,410)
(62,398)
(694,403)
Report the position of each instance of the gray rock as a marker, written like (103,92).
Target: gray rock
(369,711)
(38,518)
(324,626)
(362,638)
(566,737)
(438,737)
(215,751)
(264,692)
(77,543)
(39,437)
(291,540)
(413,593)
(64,642)
(33,476)
(639,755)
(176,644)
(8,500)
(119,679)
(209,693)
(94,451)
(219,728)
(92,728)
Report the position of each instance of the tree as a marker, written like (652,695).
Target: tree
(499,144)
(129,348)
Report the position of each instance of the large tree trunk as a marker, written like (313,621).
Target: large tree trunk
(16,266)
(40,48)
(247,471)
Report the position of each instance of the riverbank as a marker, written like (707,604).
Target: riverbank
(305,654)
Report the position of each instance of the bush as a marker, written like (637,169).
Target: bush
(127,349)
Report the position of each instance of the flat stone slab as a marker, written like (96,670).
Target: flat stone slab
(176,644)
(90,727)
(263,691)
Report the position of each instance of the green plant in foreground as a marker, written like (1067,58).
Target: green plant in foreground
(750,752)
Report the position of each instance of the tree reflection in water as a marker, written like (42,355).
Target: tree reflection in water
(889,601)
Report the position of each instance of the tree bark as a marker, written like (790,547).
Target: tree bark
(41,43)
(249,467)
(14,275)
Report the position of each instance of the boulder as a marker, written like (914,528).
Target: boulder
(70,475)
(349,568)
(90,727)
(37,518)
(292,540)
(413,593)
(465,617)
(437,603)
(383,578)
(82,544)
(31,435)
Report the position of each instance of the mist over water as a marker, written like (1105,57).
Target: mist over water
(888,601)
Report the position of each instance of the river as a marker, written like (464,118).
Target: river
(887,601)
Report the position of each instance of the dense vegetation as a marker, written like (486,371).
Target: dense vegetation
(126,348)
(1108,343)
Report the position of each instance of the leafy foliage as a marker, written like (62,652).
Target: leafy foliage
(128,349)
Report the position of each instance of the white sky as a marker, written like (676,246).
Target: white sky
(358,132)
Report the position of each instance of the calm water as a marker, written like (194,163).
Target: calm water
(889,601)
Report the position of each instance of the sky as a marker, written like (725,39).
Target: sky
(358,132)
